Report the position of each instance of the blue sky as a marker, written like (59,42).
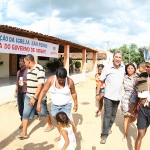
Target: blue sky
(101,24)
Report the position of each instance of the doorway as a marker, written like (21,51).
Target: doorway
(14,64)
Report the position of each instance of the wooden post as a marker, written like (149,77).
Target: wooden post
(66,57)
(94,62)
(84,61)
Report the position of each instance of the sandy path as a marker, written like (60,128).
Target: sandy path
(88,132)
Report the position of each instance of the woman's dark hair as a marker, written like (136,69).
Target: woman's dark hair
(130,64)
(62,118)
(100,65)
(61,73)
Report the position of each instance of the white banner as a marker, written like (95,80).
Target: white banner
(20,45)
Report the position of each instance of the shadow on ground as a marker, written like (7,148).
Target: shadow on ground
(38,146)
(132,129)
(17,132)
(78,118)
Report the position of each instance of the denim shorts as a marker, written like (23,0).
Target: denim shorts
(102,91)
(29,110)
(65,108)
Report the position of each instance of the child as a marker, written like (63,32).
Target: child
(67,140)
(101,92)
(142,67)
(142,70)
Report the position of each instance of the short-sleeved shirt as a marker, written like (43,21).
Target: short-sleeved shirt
(113,78)
(35,77)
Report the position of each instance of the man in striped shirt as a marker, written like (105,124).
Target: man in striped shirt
(35,82)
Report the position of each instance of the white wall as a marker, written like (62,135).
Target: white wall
(4,69)
(109,58)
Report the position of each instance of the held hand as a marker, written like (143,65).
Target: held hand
(38,107)
(15,94)
(20,82)
(97,78)
(75,108)
(97,97)
(32,101)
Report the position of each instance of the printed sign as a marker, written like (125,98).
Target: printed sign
(20,45)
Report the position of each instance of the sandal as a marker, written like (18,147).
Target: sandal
(103,141)
(48,129)
(21,137)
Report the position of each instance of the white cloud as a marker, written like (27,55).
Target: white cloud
(93,24)
(15,13)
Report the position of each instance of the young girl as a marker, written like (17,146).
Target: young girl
(101,92)
(67,140)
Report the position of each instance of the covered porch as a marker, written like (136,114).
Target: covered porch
(65,47)
(7,85)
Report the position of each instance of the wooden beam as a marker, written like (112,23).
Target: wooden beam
(66,57)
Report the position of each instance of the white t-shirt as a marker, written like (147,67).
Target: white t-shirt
(72,139)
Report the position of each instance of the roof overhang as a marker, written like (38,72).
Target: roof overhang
(74,47)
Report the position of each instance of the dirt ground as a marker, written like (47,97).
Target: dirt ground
(88,127)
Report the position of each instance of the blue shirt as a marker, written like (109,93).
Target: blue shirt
(113,78)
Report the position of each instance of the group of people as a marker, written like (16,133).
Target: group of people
(123,84)
(115,83)
(31,90)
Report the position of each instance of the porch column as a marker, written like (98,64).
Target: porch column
(84,61)
(94,62)
(35,57)
(66,57)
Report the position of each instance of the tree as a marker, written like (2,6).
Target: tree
(131,53)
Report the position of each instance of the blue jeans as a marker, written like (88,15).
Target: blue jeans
(20,101)
(110,110)
(29,110)
(65,108)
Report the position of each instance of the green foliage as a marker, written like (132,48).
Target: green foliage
(131,53)
(52,66)
(77,64)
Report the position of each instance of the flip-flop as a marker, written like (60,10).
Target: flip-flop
(103,141)
(21,137)
(48,129)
